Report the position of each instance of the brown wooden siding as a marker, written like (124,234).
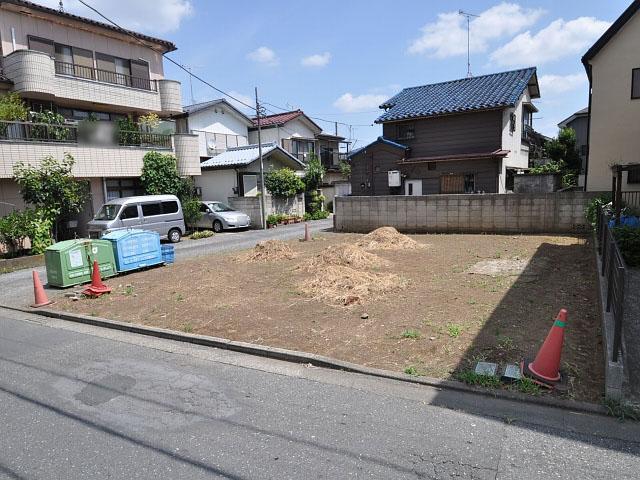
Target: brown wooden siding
(370,167)
(451,134)
(485,170)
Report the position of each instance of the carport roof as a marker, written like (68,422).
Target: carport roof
(242,156)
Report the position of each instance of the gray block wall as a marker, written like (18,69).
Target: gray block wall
(488,213)
(251,206)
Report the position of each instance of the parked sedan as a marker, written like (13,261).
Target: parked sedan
(219,216)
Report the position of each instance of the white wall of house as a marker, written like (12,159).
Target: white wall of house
(614,135)
(218,119)
(291,129)
(217,185)
(518,156)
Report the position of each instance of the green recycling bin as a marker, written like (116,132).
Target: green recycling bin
(71,262)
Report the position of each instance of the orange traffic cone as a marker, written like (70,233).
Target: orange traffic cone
(96,288)
(307,234)
(38,292)
(546,366)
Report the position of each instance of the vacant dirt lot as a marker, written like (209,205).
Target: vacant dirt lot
(436,309)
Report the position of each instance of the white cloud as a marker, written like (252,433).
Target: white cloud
(164,16)
(557,40)
(349,103)
(243,98)
(556,84)
(317,60)
(448,35)
(264,55)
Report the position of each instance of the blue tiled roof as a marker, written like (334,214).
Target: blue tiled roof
(377,140)
(240,156)
(476,93)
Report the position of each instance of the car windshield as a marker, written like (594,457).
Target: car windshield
(107,212)
(220,207)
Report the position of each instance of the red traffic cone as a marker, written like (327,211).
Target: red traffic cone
(96,288)
(40,295)
(546,366)
(307,234)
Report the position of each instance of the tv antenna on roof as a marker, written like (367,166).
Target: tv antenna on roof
(468,17)
(61,6)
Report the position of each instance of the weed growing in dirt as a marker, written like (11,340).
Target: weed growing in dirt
(472,378)
(411,371)
(454,330)
(179,297)
(414,334)
(187,328)
(528,386)
(505,343)
(128,290)
(622,411)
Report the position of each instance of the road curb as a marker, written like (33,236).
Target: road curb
(309,358)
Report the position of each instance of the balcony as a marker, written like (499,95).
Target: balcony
(39,76)
(527,133)
(104,76)
(44,132)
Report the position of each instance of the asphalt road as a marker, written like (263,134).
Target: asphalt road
(16,288)
(83,402)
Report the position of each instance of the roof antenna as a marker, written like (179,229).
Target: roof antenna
(61,7)
(468,17)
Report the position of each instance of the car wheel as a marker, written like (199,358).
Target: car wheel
(217,226)
(174,235)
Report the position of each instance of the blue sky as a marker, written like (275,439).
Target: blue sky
(338,60)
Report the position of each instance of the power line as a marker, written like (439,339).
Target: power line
(318,118)
(182,67)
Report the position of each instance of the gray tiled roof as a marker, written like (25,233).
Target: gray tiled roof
(467,94)
(241,156)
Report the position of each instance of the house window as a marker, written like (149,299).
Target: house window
(406,131)
(512,122)
(41,45)
(469,183)
(302,148)
(123,187)
(633,175)
(635,83)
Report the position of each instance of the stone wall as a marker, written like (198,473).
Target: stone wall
(488,213)
(251,206)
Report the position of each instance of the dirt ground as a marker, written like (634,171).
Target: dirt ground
(454,301)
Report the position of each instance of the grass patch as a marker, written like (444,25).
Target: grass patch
(454,330)
(528,386)
(414,334)
(411,371)
(472,378)
(622,411)
(128,290)
(201,234)
(187,328)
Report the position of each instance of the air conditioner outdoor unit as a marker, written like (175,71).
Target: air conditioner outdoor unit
(395,179)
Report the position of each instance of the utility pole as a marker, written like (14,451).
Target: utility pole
(468,17)
(263,204)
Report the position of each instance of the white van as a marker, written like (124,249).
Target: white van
(159,213)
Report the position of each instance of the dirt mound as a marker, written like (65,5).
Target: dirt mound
(268,251)
(345,255)
(387,238)
(347,286)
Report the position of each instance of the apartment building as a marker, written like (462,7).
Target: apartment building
(86,70)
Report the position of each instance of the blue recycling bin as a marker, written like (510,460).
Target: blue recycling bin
(168,254)
(135,249)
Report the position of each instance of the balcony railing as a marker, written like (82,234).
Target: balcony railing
(527,132)
(44,132)
(104,76)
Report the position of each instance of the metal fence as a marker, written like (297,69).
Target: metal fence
(105,76)
(631,198)
(614,271)
(45,132)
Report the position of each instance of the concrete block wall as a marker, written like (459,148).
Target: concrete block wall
(488,213)
(251,206)
(186,149)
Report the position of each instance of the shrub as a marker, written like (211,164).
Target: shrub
(13,108)
(127,132)
(628,239)
(283,183)
(591,213)
(551,167)
(345,168)
(191,212)
(319,215)
(201,234)
(53,128)
(272,219)
(34,224)
(315,202)
(314,173)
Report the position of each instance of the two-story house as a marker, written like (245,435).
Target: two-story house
(613,69)
(462,136)
(301,136)
(86,71)
(579,123)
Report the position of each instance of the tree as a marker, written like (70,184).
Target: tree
(564,149)
(52,188)
(13,108)
(313,174)
(283,183)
